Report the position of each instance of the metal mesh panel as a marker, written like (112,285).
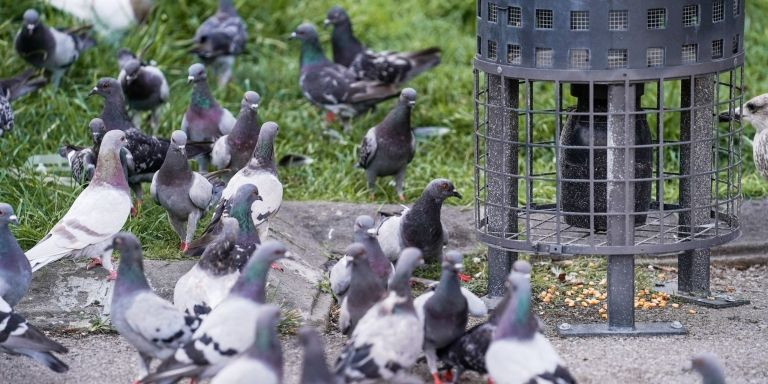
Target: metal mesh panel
(579,20)
(718,11)
(736,7)
(544,57)
(691,15)
(617,58)
(717,49)
(654,57)
(493,15)
(492,50)
(479,45)
(544,19)
(513,54)
(578,58)
(735,43)
(690,53)
(515,17)
(657,18)
(618,20)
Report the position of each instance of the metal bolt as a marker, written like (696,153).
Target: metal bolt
(565,326)
(676,325)
(498,69)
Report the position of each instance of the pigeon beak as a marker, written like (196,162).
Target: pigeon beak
(458,266)
(349,259)
(326,23)
(14,220)
(456,194)
(190,79)
(292,36)
(30,28)
(93,91)
(412,103)
(371,231)
(254,107)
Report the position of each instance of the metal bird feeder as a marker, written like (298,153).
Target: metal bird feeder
(596,132)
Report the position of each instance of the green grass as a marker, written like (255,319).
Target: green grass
(50,118)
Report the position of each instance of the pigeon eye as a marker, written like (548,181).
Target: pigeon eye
(751,107)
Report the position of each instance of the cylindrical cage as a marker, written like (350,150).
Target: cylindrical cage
(609,143)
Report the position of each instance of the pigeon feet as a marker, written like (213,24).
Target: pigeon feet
(490,381)
(372,196)
(465,278)
(184,246)
(95,262)
(436,378)
(276,267)
(330,117)
(447,376)
(112,275)
(136,208)
(401,197)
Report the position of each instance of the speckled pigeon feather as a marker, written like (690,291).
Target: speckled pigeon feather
(13,88)
(82,162)
(18,337)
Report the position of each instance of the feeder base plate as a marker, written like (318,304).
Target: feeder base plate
(713,300)
(640,329)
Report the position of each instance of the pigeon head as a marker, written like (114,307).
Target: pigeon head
(441,189)
(196,73)
(755,112)
(364,225)
(241,205)
(265,146)
(409,259)
(7,216)
(127,244)
(251,101)
(518,321)
(308,336)
(98,129)
(453,261)
(335,16)
(305,32)
(113,141)
(107,87)
(709,367)
(132,70)
(31,20)
(522,267)
(266,345)
(408,97)
(130,273)
(178,139)
(355,253)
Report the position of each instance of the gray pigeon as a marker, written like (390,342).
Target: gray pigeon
(210,280)
(468,351)
(388,147)
(262,173)
(314,368)
(263,360)
(50,48)
(13,88)
(220,38)
(184,194)
(444,313)
(517,337)
(144,86)
(365,289)
(233,151)
(98,213)
(15,271)
(387,340)
(388,67)
(229,329)
(151,324)
(709,367)
(341,273)
(114,113)
(332,86)
(18,337)
(420,225)
(205,120)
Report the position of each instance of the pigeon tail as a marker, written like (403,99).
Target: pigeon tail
(421,61)
(44,253)
(23,83)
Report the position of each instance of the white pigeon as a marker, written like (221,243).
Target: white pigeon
(262,173)
(98,213)
(110,18)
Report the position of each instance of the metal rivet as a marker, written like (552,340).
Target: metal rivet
(565,326)
(676,325)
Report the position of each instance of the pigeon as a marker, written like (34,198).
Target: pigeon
(332,86)
(210,280)
(18,337)
(205,120)
(709,367)
(262,173)
(420,225)
(388,147)
(229,329)
(144,86)
(314,369)
(81,160)
(220,38)
(755,112)
(239,207)
(151,324)
(233,151)
(111,19)
(468,351)
(387,340)
(50,48)
(184,194)
(263,360)
(13,88)
(519,352)
(444,311)
(114,114)
(388,67)
(98,213)
(15,271)
(365,289)
(382,268)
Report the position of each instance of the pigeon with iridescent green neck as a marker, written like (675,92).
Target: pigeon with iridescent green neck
(332,86)
(229,329)
(15,271)
(151,324)
(205,120)
(220,38)
(262,173)
(233,151)
(98,213)
(263,360)
(185,195)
